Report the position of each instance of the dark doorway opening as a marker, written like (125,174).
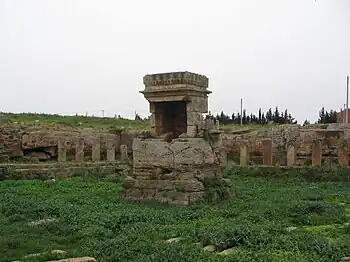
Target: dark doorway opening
(171,117)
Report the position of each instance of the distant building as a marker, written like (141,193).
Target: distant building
(341,116)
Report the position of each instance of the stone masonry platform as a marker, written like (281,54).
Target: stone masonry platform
(172,172)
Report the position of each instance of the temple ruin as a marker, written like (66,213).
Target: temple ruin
(172,166)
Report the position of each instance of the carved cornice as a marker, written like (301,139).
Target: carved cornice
(174,78)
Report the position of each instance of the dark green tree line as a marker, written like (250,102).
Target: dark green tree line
(261,118)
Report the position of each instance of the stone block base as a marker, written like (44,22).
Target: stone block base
(171,173)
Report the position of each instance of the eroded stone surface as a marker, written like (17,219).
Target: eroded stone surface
(228,252)
(170,172)
(210,248)
(174,240)
(78,259)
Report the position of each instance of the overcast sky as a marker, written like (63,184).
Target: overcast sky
(73,56)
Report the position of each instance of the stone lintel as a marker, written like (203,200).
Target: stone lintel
(187,95)
(173,78)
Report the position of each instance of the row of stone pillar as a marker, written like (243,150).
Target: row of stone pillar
(343,157)
(96,150)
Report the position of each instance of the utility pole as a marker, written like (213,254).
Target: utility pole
(347,101)
(241,111)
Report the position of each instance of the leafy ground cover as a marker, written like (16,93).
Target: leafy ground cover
(270,219)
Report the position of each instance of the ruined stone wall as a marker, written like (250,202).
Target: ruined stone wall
(10,141)
(300,136)
(19,141)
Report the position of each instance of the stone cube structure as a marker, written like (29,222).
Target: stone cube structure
(172,169)
(177,102)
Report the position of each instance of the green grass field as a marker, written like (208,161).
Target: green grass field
(45,120)
(106,123)
(94,221)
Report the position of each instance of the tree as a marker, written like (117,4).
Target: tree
(137,117)
(260,117)
(276,116)
(306,122)
(326,117)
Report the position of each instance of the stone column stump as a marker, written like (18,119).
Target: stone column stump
(291,155)
(244,154)
(343,154)
(110,145)
(62,149)
(79,150)
(124,153)
(267,151)
(316,153)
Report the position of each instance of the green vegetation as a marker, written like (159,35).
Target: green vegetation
(94,221)
(112,125)
(39,120)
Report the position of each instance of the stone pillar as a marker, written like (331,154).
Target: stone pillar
(191,131)
(267,151)
(123,152)
(194,119)
(244,155)
(62,149)
(152,109)
(110,147)
(343,154)
(219,150)
(316,153)
(96,150)
(79,150)
(291,155)
(217,125)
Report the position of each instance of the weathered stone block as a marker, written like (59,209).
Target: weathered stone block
(291,155)
(189,186)
(79,150)
(316,153)
(267,151)
(110,148)
(129,182)
(62,149)
(194,118)
(165,185)
(96,149)
(152,120)
(343,154)
(78,259)
(176,169)
(124,152)
(244,155)
(192,131)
